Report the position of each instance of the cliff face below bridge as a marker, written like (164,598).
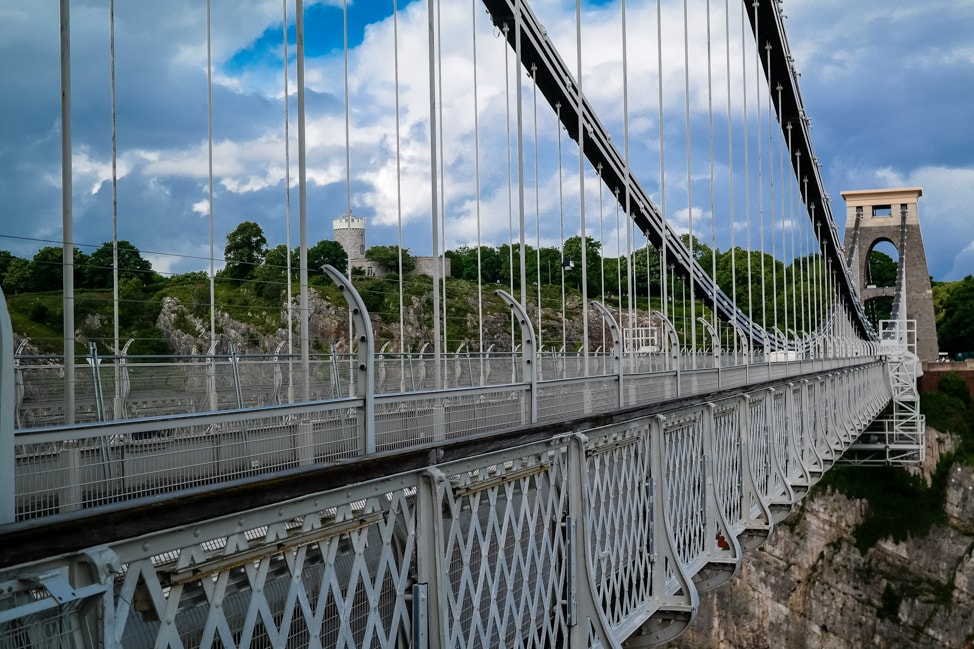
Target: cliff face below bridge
(809,587)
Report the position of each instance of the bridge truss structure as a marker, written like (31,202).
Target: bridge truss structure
(579,499)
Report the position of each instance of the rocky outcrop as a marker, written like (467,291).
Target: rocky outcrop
(809,587)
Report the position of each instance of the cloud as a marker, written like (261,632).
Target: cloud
(880,83)
(945,212)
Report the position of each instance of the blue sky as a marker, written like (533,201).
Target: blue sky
(889,89)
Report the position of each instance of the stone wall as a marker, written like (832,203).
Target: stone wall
(424,266)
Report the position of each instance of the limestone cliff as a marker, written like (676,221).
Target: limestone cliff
(810,587)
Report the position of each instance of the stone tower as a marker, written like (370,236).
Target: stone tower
(349,231)
(877,215)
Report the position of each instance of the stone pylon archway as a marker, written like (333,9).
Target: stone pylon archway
(877,215)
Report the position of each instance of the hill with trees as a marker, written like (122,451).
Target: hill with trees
(251,288)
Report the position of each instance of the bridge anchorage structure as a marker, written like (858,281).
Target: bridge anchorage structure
(524,491)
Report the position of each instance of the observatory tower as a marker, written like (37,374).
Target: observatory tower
(350,233)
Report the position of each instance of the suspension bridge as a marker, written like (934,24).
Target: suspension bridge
(530,489)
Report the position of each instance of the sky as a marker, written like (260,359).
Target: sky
(889,89)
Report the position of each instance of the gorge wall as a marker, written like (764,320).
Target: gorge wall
(810,587)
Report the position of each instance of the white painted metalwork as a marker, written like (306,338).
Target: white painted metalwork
(644,484)
(518,546)
(59,470)
(898,435)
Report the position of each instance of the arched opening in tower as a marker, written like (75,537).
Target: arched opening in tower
(881,271)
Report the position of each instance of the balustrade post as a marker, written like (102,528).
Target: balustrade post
(430,565)
(676,611)
(777,447)
(674,346)
(96,386)
(235,373)
(366,354)
(7,407)
(757,528)
(211,378)
(798,441)
(723,548)
(123,382)
(304,443)
(529,355)
(583,608)
(617,365)
(69,476)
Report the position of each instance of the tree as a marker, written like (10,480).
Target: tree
(327,252)
(464,260)
(245,251)
(47,269)
(956,330)
(457,261)
(645,268)
(880,269)
(387,258)
(952,384)
(131,265)
(593,260)
(5,259)
(17,278)
(550,266)
(271,276)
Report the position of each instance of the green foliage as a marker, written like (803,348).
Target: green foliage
(131,265)
(593,261)
(901,505)
(950,414)
(328,252)
(881,269)
(387,257)
(244,252)
(646,270)
(17,277)
(270,278)
(5,259)
(956,329)
(953,385)
(378,296)
(192,277)
(47,269)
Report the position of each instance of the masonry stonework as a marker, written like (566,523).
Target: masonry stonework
(877,215)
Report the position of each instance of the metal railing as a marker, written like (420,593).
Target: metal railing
(608,531)
(59,470)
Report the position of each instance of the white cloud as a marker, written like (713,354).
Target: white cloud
(946,213)
(165,163)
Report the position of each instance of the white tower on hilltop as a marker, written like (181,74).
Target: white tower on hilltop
(349,231)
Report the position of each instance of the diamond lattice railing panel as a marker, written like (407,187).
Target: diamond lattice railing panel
(686,501)
(759,445)
(619,519)
(800,458)
(829,414)
(328,579)
(779,440)
(505,554)
(816,408)
(728,464)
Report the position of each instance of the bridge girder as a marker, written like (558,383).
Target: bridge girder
(560,87)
